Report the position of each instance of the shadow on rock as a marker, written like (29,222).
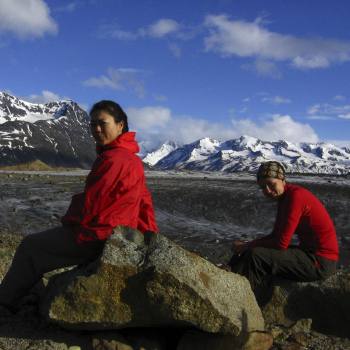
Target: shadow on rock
(327,303)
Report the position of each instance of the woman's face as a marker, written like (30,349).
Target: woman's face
(271,187)
(105,129)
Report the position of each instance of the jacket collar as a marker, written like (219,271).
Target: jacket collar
(125,140)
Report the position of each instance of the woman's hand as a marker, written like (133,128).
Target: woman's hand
(238,246)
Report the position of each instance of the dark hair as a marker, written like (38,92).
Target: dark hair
(112,109)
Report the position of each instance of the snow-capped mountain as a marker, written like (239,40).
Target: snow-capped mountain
(191,155)
(56,133)
(247,153)
(155,156)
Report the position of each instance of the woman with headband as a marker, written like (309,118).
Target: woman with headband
(299,213)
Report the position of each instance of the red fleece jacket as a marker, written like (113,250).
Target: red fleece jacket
(300,212)
(115,194)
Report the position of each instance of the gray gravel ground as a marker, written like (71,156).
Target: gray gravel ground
(202,212)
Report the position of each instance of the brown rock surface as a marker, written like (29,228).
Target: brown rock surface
(160,284)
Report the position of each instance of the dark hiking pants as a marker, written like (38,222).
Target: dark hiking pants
(42,252)
(259,263)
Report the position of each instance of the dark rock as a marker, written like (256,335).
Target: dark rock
(196,340)
(327,303)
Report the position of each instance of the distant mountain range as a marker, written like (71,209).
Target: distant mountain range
(247,153)
(56,133)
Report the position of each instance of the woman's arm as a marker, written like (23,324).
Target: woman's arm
(147,221)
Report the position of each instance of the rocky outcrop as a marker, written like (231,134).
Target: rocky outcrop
(152,284)
(326,303)
(27,331)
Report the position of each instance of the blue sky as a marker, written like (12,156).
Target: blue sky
(188,69)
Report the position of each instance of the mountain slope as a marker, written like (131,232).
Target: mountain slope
(56,133)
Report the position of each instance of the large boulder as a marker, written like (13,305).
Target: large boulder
(155,283)
(326,302)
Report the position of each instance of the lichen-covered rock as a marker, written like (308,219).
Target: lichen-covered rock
(8,244)
(257,341)
(135,284)
(7,343)
(326,303)
(110,342)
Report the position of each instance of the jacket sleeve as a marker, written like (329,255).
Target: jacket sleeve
(287,221)
(146,220)
(112,195)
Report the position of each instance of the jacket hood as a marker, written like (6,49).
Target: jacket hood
(125,140)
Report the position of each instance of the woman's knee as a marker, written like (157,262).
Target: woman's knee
(28,244)
(257,252)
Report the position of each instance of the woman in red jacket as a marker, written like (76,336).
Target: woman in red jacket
(301,213)
(115,194)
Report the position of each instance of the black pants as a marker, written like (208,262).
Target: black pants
(259,263)
(42,252)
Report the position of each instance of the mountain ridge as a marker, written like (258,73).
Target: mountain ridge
(246,153)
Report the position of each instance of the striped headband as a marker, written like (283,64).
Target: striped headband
(271,169)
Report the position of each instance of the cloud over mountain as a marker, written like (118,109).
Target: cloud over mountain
(158,124)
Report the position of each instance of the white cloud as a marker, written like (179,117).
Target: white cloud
(252,39)
(329,110)
(345,116)
(160,98)
(339,98)
(264,68)
(276,100)
(45,97)
(122,34)
(150,118)
(340,143)
(175,50)
(163,27)
(26,18)
(70,7)
(276,128)
(311,62)
(119,79)
(320,117)
(314,109)
(156,124)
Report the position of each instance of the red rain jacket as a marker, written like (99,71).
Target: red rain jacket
(115,194)
(300,212)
